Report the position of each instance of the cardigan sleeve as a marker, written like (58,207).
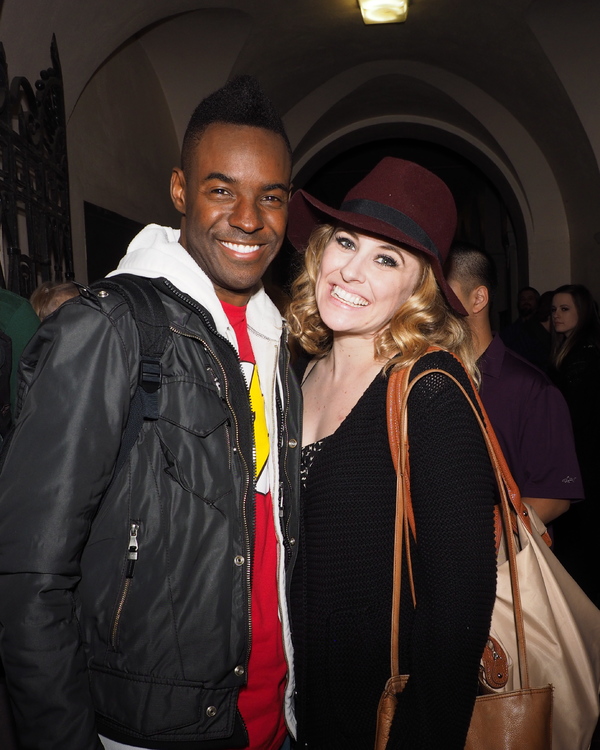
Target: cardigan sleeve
(453,495)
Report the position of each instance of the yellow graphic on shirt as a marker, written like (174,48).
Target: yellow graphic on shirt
(261,433)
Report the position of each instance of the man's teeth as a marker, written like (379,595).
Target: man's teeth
(240,248)
(348,297)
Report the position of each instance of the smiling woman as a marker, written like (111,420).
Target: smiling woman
(372,298)
(362,281)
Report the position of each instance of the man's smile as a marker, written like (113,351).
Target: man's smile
(242,249)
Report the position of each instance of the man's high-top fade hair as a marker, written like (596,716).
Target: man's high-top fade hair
(241,101)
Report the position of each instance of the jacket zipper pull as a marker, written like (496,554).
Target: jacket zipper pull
(280,499)
(216,381)
(132,553)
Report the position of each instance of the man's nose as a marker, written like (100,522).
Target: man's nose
(246,215)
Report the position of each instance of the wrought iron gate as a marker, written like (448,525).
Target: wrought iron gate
(34,180)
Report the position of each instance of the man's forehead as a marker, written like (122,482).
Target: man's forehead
(223,136)
(225,150)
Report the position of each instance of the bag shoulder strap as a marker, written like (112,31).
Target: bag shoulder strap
(399,390)
(152,324)
(398,387)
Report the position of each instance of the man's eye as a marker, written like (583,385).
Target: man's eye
(272,199)
(220,191)
(387,260)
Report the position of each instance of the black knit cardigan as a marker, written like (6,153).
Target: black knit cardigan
(342,585)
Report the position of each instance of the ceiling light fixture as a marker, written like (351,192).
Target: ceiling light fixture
(383,11)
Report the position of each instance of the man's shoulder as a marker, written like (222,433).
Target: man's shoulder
(516,366)
(513,379)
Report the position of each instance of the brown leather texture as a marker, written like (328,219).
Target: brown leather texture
(521,720)
(387,708)
(493,672)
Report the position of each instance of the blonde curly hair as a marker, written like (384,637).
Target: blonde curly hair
(424,320)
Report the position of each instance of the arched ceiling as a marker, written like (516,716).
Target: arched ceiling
(295,47)
(509,76)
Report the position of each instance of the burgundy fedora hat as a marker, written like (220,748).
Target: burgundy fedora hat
(398,200)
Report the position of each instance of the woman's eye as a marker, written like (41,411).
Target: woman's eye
(345,242)
(387,260)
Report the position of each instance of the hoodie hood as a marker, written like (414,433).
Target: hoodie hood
(156,253)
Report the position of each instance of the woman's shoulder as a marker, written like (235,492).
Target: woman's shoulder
(440,359)
(436,383)
(582,354)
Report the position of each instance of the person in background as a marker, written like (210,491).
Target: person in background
(526,335)
(528,413)
(19,322)
(50,295)
(372,298)
(148,608)
(576,371)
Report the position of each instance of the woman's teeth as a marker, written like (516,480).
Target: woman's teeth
(348,297)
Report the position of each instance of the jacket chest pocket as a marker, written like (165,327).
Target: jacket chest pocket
(196,437)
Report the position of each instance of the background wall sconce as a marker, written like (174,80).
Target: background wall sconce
(383,11)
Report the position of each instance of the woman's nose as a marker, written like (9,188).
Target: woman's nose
(353,269)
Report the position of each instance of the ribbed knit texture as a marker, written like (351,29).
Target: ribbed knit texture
(342,587)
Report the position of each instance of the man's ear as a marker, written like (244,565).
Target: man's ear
(178,189)
(480,299)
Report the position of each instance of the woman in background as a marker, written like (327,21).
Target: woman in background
(371,299)
(576,371)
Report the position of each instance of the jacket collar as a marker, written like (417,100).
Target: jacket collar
(156,252)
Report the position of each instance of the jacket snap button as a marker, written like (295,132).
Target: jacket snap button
(292,541)
(239,560)
(292,443)
(211,711)
(239,670)
(103,293)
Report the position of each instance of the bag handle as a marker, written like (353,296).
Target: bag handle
(397,400)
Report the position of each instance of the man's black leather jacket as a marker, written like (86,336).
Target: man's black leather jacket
(142,650)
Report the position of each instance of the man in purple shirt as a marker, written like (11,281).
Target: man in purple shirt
(528,413)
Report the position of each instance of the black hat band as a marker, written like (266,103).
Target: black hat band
(394,218)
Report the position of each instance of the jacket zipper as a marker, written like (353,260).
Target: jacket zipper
(237,449)
(191,303)
(285,439)
(132,556)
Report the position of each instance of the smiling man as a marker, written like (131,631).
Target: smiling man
(149,609)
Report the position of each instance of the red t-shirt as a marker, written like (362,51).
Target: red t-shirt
(260,701)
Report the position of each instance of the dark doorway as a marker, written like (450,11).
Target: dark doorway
(107,235)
